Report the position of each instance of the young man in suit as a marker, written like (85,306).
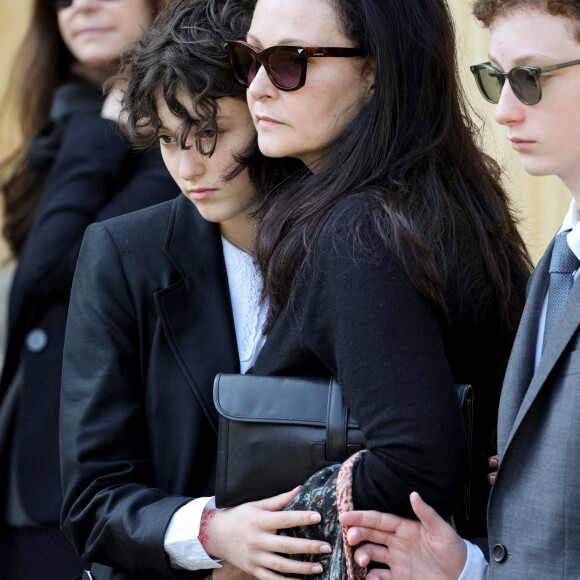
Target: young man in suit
(534,508)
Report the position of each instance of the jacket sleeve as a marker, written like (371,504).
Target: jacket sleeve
(113,512)
(382,340)
(95,176)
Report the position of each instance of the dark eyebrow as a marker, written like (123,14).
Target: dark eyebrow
(288,41)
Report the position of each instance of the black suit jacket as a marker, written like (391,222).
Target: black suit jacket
(150,325)
(96,175)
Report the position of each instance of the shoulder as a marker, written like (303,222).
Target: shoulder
(353,233)
(138,227)
(132,243)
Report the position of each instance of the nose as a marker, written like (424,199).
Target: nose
(509,109)
(261,87)
(191,163)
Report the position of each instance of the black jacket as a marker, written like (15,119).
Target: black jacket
(150,326)
(96,175)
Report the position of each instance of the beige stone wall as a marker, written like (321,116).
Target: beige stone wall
(541,202)
(14,17)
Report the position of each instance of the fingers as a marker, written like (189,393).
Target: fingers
(282,520)
(371,519)
(279,565)
(492,463)
(358,534)
(278,502)
(292,545)
(426,514)
(368,552)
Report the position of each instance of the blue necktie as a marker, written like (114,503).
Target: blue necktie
(562,267)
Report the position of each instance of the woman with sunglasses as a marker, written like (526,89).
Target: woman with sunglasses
(534,526)
(391,261)
(163,300)
(72,167)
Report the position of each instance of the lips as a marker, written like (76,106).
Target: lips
(200,193)
(520,144)
(263,121)
(94,30)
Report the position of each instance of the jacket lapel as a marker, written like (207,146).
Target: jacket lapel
(564,331)
(520,368)
(196,312)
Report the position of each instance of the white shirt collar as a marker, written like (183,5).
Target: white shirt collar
(572,221)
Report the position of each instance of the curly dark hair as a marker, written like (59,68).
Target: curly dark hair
(182,55)
(486,11)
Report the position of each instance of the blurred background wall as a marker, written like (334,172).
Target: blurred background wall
(14,17)
(540,202)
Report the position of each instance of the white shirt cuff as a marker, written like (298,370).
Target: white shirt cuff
(476,566)
(181,538)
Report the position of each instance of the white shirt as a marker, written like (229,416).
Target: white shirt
(245,284)
(476,566)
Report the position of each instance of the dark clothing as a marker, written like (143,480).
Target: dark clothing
(95,175)
(356,317)
(150,326)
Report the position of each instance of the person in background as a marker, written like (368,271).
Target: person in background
(162,300)
(73,167)
(533,75)
(391,262)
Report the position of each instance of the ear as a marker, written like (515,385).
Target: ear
(368,77)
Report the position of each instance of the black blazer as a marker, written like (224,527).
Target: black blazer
(150,325)
(96,175)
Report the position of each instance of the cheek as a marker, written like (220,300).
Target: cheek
(64,20)
(171,161)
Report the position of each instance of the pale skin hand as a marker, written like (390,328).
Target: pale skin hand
(429,548)
(230,572)
(245,536)
(112,104)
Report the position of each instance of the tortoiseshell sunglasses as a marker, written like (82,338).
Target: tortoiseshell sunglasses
(285,65)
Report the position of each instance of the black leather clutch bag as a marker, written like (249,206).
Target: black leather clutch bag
(275,432)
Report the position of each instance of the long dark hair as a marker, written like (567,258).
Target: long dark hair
(411,155)
(182,55)
(42,64)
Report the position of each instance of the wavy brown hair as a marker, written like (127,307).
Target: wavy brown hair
(42,64)
(411,155)
(486,11)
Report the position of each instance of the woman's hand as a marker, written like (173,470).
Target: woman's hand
(112,104)
(245,536)
(492,463)
(429,548)
(230,572)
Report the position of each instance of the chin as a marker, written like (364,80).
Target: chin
(270,146)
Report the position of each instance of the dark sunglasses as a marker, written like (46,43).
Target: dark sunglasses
(525,81)
(285,65)
(60,4)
